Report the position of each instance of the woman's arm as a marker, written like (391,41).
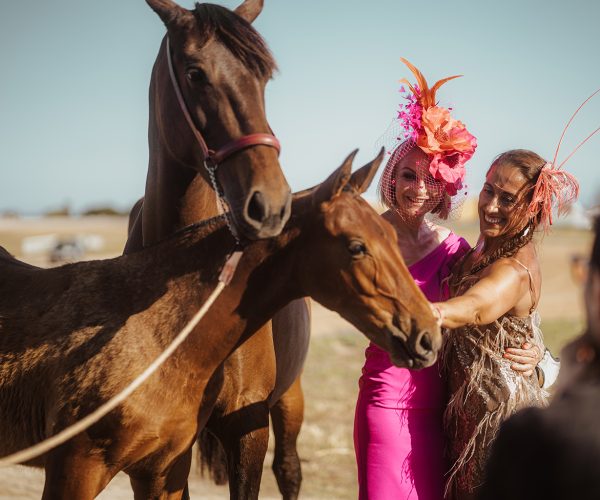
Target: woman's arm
(487,300)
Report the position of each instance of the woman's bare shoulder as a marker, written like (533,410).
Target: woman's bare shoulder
(441,232)
(518,266)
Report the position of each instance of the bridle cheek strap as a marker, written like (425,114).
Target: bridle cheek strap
(213,158)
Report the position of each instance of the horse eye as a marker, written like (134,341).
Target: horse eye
(357,248)
(195,75)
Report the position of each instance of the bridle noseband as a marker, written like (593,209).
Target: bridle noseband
(213,158)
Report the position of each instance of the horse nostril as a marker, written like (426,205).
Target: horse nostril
(256,208)
(425,342)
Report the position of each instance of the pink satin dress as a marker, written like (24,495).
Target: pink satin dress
(398,436)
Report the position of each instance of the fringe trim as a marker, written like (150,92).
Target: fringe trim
(486,345)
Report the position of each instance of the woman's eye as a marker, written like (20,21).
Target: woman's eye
(195,75)
(357,248)
(409,176)
(507,200)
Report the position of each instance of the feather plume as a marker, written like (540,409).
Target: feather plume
(425,95)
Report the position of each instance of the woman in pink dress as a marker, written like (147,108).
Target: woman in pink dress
(398,437)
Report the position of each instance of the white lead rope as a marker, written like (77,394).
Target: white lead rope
(66,434)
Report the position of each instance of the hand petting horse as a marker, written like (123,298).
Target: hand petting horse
(72,337)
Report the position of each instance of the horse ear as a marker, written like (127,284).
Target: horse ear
(362,178)
(336,182)
(250,9)
(170,12)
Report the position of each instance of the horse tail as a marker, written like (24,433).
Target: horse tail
(212,458)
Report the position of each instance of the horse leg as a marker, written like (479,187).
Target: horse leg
(291,336)
(80,476)
(246,455)
(241,417)
(172,486)
(287,415)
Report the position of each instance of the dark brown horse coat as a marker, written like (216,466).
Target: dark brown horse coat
(222,66)
(73,337)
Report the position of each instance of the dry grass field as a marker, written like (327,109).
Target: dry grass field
(332,370)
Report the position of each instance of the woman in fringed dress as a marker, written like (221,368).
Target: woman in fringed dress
(496,289)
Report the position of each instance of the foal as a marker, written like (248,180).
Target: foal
(74,336)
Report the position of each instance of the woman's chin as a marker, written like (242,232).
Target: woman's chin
(490,231)
(414,211)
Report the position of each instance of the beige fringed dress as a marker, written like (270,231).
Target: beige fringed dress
(483,390)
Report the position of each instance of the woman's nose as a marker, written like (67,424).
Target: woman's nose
(492,205)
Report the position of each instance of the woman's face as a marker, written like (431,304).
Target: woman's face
(499,198)
(417,193)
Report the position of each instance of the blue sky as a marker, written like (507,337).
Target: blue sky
(75,74)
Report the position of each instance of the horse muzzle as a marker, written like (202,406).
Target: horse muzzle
(415,349)
(263,217)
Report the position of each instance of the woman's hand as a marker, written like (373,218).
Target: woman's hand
(525,359)
(437,312)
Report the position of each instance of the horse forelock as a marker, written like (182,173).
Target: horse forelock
(238,35)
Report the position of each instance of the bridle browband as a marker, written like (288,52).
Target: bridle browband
(213,158)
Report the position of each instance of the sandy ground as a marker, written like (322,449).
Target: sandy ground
(325,443)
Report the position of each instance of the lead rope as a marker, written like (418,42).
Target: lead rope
(66,434)
(222,205)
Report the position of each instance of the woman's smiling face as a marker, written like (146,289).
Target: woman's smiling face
(499,198)
(417,193)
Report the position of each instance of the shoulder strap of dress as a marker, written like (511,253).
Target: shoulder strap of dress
(531,290)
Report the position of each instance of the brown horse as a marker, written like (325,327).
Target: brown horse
(72,337)
(207,118)
(222,65)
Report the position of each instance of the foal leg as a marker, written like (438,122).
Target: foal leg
(246,454)
(74,476)
(172,486)
(287,415)
(241,417)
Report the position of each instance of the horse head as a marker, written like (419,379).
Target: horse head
(208,110)
(369,284)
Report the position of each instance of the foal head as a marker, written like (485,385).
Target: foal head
(355,268)
(220,65)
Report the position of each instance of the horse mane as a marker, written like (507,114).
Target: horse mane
(193,232)
(238,36)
